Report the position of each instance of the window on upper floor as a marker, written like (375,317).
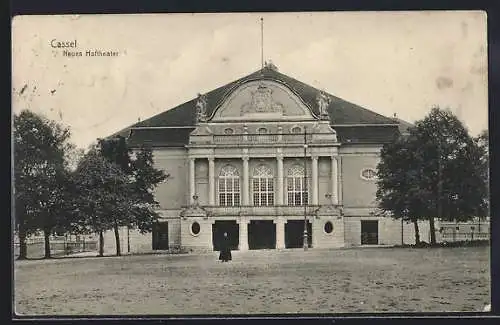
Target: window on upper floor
(296,129)
(229,186)
(262,130)
(263,186)
(228,131)
(297,193)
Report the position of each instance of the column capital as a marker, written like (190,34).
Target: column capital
(279,156)
(314,157)
(245,158)
(211,158)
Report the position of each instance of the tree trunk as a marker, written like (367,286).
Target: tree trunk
(417,233)
(101,244)
(432,229)
(23,248)
(117,238)
(46,235)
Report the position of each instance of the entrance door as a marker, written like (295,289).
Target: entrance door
(261,234)
(160,236)
(226,226)
(369,232)
(294,234)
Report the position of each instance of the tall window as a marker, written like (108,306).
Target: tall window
(296,189)
(263,186)
(229,186)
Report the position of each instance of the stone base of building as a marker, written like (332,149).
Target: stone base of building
(202,234)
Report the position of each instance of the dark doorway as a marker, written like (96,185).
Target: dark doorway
(294,234)
(261,234)
(369,232)
(233,232)
(160,236)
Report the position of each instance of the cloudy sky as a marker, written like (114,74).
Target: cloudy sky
(390,62)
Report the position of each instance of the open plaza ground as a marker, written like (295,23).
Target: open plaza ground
(258,282)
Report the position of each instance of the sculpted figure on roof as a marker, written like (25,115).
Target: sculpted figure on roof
(323,102)
(201,108)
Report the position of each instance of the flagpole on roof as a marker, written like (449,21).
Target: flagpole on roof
(262,42)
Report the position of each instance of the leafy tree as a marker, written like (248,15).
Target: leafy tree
(145,179)
(103,195)
(40,174)
(434,172)
(482,142)
(142,180)
(397,181)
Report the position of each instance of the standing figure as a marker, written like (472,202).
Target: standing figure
(201,108)
(323,102)
(225,249)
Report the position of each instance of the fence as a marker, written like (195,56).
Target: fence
(36,247)
(451,232)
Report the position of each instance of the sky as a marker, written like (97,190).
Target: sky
(400,63)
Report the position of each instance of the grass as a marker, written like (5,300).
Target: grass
(258,282)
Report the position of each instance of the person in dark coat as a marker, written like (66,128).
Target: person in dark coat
(225,250)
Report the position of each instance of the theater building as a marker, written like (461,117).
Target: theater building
(258,157)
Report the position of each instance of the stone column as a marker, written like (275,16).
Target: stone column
(192,184)
(280,189)
(243,240)
(246,186)
(314,180)
(280,232)
(339,180)
(211,181)
(335,195)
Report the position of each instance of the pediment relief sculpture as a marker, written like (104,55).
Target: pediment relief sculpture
(262,102)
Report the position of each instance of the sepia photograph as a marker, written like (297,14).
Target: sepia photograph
(284,163)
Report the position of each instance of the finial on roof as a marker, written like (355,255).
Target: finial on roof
(395,115)
(270,65)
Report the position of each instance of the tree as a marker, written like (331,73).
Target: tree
(482,142)
(40,174)
(434,172)
(103,194)
(397,181)
(143,178)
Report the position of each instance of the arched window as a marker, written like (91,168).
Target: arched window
(229,186)
(296,129)
(228,131)
(263,186)
(296,189)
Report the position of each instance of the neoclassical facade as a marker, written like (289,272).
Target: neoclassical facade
(260,158)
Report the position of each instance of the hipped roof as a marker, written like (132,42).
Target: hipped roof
(353,123)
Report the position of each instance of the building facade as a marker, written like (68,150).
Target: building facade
(261,157)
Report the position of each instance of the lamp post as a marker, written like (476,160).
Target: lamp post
(128,239)
(305,198)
